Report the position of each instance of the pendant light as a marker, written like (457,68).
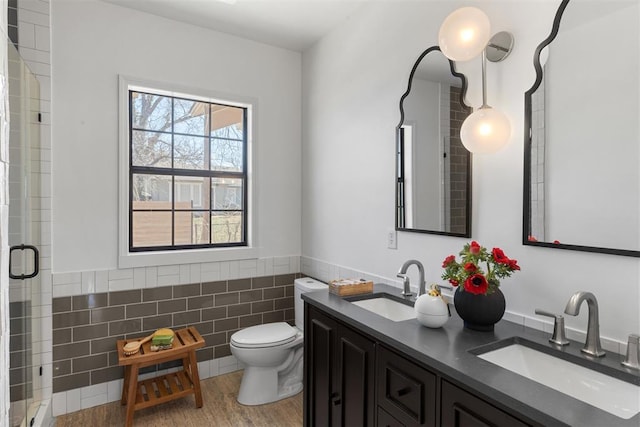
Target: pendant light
(487,130)
(463,35)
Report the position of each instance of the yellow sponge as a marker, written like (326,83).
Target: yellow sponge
(162,336)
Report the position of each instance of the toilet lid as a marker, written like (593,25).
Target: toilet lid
(267,335)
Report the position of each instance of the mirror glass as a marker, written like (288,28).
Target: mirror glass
(582,180)
(433,179)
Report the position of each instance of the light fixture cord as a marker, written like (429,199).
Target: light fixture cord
(484,79)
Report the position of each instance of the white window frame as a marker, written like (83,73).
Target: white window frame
(127,259)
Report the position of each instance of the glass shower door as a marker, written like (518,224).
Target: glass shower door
(24,238)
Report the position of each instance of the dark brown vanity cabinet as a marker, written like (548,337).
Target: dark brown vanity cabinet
(462,409)
(353,380)
(339,368)
(405,391)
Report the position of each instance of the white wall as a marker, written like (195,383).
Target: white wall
(92,43)
(352,81)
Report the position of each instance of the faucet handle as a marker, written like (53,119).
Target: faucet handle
(558,336)
(406,284)
(631,360)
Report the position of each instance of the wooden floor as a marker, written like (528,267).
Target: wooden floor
(220,409)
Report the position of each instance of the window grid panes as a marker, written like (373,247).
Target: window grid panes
(187,173)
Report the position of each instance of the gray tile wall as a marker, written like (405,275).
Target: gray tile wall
(86,327)
(12,21)
(459,163)
(20,372)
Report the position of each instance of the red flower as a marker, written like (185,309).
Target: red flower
(499,256)
(476,284)
(532,239)
(474,248)
(470,267)
(513,264)
(448,260)
(556,242)
(453,282)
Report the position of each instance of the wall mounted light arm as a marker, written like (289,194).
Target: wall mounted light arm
(484,80)
(487,130)
(498,48)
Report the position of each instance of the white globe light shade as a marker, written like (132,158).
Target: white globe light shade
(485,131)
(464,34)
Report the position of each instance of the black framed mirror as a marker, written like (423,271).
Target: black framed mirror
(582,142)
(433,169)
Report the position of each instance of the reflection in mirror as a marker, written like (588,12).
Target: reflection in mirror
(433,178)
(582,142)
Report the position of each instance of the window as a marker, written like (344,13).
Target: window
(190,193)
(187,171)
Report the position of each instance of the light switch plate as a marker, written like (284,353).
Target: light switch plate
(392,239)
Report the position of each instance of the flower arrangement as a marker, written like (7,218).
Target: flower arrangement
(469,271)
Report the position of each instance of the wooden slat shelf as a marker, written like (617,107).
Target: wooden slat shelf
(185,340)
(154,391)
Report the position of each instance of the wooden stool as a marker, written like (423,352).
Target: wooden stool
(154,391)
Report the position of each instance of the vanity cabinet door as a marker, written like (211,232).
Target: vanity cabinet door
(356,379)
(339,366)
(405,390)
(462,409)
(319,360)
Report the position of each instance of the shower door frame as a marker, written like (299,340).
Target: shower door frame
(24,236)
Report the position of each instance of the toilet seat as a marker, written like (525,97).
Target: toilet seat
(266,335)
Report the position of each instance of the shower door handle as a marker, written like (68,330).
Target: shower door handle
(36,262)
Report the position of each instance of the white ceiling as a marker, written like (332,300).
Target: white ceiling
(291,24)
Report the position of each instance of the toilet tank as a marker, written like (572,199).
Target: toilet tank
(305,284)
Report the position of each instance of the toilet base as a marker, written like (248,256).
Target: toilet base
(260,386)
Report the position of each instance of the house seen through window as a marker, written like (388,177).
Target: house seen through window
(187,173)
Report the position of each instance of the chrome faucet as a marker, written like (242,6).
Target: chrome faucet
(405,279)
(592,345)
(633,348)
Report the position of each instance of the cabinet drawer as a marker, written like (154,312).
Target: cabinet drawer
(405,390)
(386,420)
(462,409)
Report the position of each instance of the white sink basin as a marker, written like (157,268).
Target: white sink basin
(388,308)
(615,396)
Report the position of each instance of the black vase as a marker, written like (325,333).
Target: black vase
(479,312)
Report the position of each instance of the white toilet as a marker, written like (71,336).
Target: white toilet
(272,354)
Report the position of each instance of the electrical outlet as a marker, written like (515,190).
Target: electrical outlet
(392,239)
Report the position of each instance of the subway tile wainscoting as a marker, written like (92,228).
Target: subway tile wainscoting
(20,341)
(91,310)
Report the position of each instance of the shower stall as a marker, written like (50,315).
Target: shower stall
(26,309)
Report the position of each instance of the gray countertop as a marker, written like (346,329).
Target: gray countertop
(446,350)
